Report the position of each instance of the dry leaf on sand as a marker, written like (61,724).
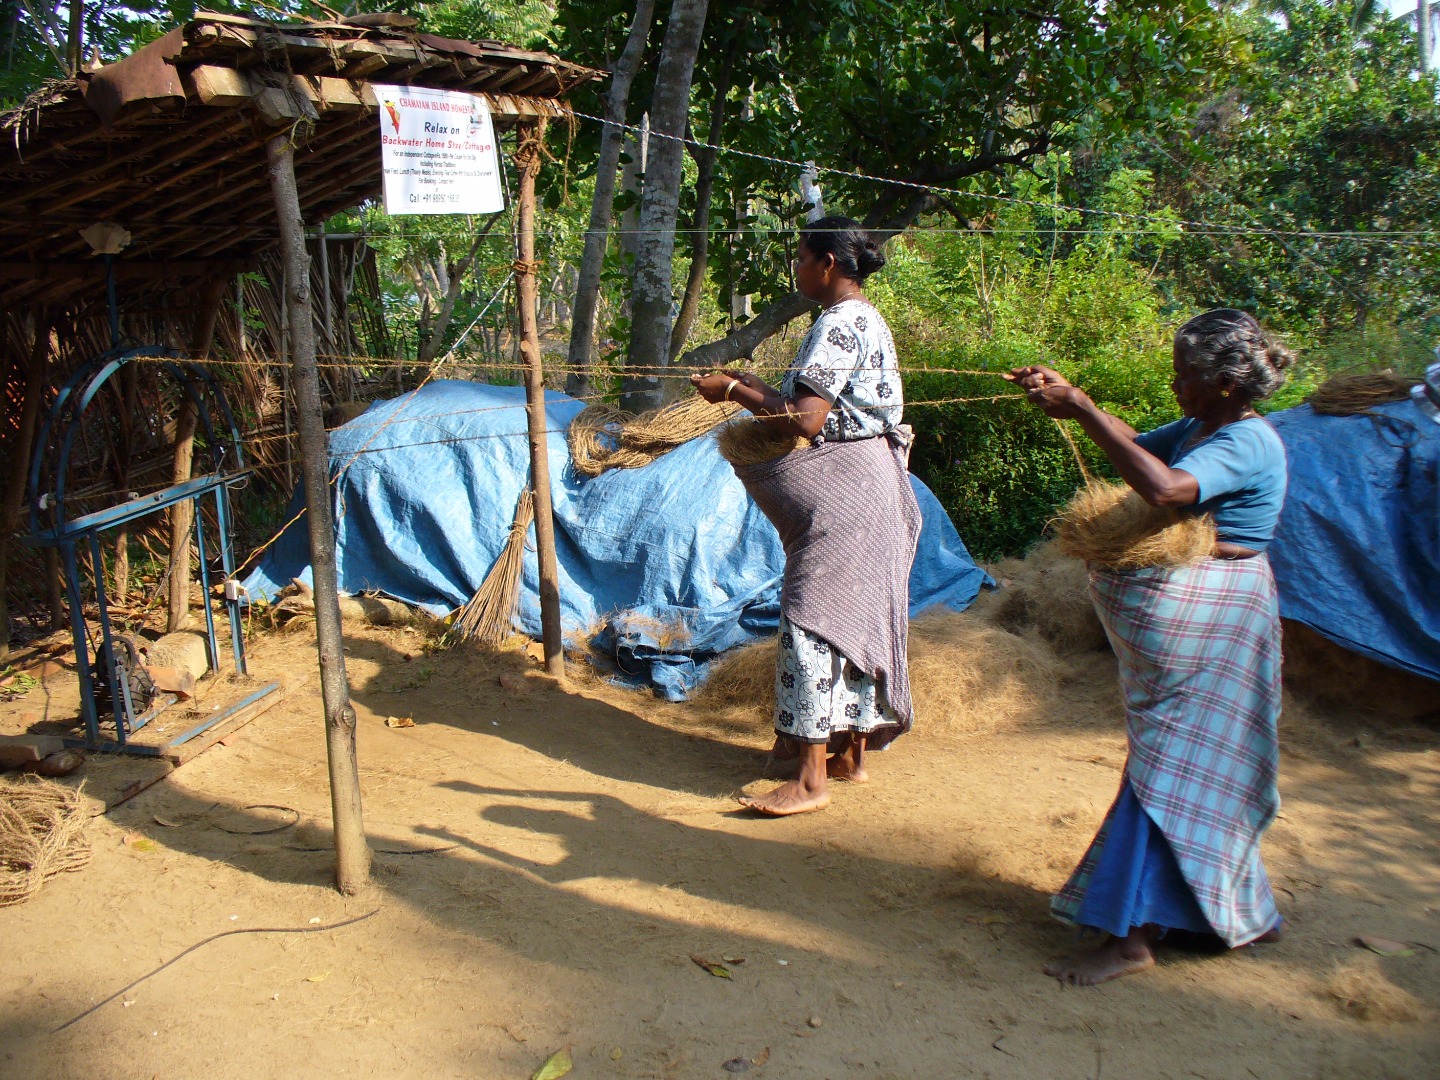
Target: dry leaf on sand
(1384,946)
(558,1065)
(720,971)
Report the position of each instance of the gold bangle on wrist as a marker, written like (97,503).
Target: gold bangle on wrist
(732,385)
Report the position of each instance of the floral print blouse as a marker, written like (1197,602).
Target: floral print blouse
(848,358)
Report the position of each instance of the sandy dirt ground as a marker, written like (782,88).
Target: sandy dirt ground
(577,845)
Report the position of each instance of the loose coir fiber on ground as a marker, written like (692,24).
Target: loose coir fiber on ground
(42,833)
(1362,991)
(1034,651)
(967,676)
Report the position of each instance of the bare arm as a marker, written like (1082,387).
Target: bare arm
(1155,482)
(802,415)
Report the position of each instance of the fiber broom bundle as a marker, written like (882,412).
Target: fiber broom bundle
(752,442)
(489,616)
(603,437)
(42,833)
(1112,528)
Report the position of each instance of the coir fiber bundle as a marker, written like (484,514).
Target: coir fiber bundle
(1112,528)
(603,437)
(751,442)
(1355,395)
(42,833)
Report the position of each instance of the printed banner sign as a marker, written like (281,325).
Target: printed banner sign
(437,149)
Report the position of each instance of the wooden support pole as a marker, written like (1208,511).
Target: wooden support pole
(327,295)
(527,160)
(352,855)
(20,462)
(182,516)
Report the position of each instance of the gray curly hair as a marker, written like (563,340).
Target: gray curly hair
(1230,343)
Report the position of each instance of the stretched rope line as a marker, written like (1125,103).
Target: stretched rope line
(1200,228)
(957,192)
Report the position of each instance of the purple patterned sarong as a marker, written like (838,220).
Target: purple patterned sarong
(848,520)
(1199,651)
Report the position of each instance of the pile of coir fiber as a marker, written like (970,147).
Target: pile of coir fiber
(967,676)
(1034,651)
(1357,395)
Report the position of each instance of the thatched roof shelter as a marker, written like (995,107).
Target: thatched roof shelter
(169,143)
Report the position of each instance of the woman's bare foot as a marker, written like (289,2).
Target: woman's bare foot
(808,791)
(789,798)
(1117,957)
(849,763)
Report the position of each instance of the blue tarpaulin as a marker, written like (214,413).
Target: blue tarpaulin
(665,566)
(1357,555)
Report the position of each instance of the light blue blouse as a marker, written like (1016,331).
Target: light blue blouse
(1241,472)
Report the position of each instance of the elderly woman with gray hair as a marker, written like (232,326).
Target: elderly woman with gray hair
(1199,652)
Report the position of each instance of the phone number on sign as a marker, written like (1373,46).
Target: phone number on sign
(434,197)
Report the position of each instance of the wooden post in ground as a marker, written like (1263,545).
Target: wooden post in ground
(527,161)
(14,502)
(182,513)
(352,855)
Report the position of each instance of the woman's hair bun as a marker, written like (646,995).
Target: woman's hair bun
(854,250)
(870,259)
(1279,356)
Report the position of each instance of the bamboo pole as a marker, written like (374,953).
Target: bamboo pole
(352,855)
(527,161)
(182,513)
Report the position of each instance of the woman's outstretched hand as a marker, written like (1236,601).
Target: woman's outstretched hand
(712,385)
(1049,391)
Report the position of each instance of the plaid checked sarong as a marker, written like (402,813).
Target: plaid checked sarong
(1199,651)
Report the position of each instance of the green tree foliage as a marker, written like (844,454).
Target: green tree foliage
(1326,128)
(1025,290)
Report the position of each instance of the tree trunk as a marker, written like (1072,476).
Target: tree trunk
(352,855)
(182,513)
(75,46)
(744,340)
(527,160)
(592,260)
(1422,33)
(704,186)
(653,292)
(633,181)
(20,464)
(430,347)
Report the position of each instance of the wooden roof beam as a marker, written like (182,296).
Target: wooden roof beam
(185,134)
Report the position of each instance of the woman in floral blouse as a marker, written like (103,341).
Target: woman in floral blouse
(848,518)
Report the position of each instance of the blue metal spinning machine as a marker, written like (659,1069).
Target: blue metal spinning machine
(51,526)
